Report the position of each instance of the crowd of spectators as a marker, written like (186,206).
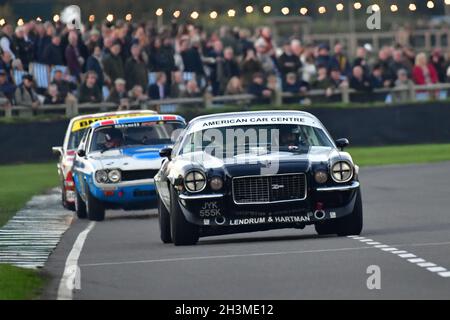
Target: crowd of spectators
(127,63)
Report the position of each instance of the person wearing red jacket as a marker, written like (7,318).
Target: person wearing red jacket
(424,73)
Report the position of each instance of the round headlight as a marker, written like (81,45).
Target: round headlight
(216,183)
(321,177)
(195,181)
(101,176)
(114,176)
(341,171)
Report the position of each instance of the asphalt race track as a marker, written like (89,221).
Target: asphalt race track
(406,234)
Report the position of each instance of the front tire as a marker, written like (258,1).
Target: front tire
(164,221)
(183,232)
(80,206)
(95,208)
(350,225)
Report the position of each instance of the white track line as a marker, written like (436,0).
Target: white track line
(432,267)
(65,290)
(260,254)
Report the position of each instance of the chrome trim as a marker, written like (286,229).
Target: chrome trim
(350,165)
(354,185)
(131,183)
(200,196)
(204,176)
(270,175)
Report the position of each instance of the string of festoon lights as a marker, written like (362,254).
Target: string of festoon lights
(265,9)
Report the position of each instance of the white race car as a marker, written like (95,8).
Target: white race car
(66,152)
(117,160)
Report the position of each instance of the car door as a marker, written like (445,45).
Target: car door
(80,167)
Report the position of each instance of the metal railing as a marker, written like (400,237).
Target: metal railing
(342,95)
(423,40)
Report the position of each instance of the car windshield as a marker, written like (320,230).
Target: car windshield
(134,135)
(256,139)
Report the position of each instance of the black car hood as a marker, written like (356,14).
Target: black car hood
(271,163)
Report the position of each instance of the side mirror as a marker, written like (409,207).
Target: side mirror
(81,153)
(57,150)
(166,153)
(342,143)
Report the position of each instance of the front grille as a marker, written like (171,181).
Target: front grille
(132,175)
(267,189)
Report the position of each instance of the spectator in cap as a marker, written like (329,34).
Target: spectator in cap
(7,88)
(93,41)
(25,94)
(376,78)
(402,82)
(113,64)
(338,80)
(89,90)
(119,94)
(323,56)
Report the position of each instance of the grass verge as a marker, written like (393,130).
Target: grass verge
(19,283)
(410,154)
(20,182)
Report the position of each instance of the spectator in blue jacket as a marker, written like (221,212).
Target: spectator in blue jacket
(94,63)
(7,88)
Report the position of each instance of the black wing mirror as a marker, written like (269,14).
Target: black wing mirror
(57,150)
(342,143)
(166,153)
(81,153)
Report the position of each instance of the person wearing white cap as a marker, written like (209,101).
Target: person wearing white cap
(119,94)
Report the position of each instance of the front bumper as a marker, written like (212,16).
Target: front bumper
(218,209)
(125,194)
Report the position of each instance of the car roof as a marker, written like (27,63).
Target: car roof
(110,114)
(253,113)
(156,117)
